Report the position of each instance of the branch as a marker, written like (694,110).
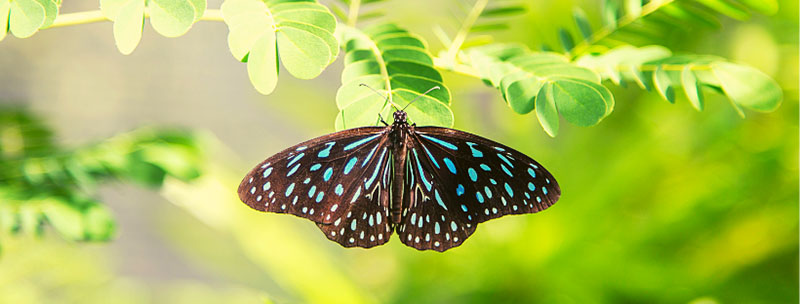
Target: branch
(97,16)
(607,30)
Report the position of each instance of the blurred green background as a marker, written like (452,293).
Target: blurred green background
(660,204)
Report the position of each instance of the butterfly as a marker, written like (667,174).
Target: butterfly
(430,185)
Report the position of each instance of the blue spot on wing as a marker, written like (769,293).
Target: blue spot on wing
(504,159)
(339,190)
(472,174)
(328,174)
(450,165)
(295,159)
(327,151)
(430,156)
(460,190)
(428,185)
(315,167)
(360,142)
(475,152)
(439,199)
(440,142)
(350,164)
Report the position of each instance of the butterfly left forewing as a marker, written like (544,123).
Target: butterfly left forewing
(338,181)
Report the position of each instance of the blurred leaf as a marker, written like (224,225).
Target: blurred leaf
(171,18)
(566,39)
(128,26)
(50,10)
(610,13)
(748,87)
(766,7)
(391,61)
(663,84)
(25,18)
(504,11)
(633,7)
(5,8)
(728,8)
(692,88)
(583,24)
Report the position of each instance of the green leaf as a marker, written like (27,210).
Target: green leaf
(692,88)
(65,218)
(25,18)
(128,26)
(766,7)
(394,62)
(50,11)
(583,24)
(610,13)
(748,87)
(504,11)
(546,110)
(98,223)
(578,101)
(262,64)
(728,8)
(303,32)
(171,18)
(633,7)
(199,8)
(566,39)
(304,54)
(5,8)
(663,84)
(110,8)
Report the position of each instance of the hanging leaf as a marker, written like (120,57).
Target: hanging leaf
(692,87)
(25,17)
(302,35)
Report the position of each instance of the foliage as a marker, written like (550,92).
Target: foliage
(44,183)
(300,35)
(396,64)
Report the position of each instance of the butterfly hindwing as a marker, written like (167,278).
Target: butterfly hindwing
(366,223)
(319,178)
(468,180)
(430,221)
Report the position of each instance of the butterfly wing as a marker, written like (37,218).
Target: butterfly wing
(460,179)
(332,180)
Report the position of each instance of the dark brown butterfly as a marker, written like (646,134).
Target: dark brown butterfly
(431,185)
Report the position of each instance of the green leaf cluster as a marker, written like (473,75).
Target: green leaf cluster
(170,18)
(649,21)
(302,32)
(24,17)
(398,65)
(45,184)
(655,68)
(543,81)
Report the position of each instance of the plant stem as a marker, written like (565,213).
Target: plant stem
(605,31)
(97,16)
(352,12)
(469,21)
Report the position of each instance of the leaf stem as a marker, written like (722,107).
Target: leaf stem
(97,16)
(469,21)
(352,12)
(605,31)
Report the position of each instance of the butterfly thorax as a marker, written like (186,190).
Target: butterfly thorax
(400,130)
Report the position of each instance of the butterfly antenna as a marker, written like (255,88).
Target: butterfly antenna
(423,94)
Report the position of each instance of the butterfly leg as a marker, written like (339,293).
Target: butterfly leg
(381,119)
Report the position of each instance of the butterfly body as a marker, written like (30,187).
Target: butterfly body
(430,185)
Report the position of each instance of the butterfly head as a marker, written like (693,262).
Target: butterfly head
(400,116)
